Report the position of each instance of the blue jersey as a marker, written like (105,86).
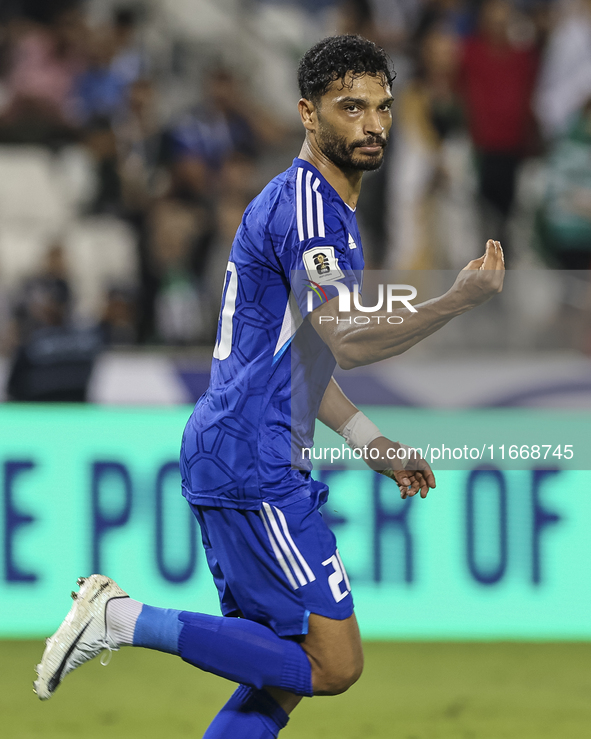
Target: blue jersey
(296,241)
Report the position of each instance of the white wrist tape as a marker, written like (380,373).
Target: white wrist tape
(359,431)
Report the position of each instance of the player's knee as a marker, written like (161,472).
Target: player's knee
(338,678)
(346,679)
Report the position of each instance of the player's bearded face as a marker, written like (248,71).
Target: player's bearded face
(344,153)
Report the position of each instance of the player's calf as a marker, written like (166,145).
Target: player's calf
(335,653)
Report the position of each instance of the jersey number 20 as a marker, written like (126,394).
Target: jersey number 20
(337,577)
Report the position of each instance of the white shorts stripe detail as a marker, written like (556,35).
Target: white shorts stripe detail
(309,209)
(319,208)
(299,213)
(344,570)
(282,543)
(311,576)
(278,555)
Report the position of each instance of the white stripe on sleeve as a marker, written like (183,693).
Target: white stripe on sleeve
(319,208)
(309,210)
(299,212)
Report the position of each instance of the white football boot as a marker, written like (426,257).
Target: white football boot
(82,635)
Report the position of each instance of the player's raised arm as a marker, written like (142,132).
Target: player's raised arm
(354,345)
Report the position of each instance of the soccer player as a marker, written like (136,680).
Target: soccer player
(273,558)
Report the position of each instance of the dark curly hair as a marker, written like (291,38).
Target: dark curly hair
(331,59)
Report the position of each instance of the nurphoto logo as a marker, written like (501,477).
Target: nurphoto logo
(389,296)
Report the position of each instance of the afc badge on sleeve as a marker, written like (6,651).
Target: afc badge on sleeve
(322,265)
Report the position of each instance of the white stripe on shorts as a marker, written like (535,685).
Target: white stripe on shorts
(283,544)
(311,576)
(278,555)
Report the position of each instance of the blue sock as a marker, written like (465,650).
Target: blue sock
(234,648)
(249,714)
(158,628)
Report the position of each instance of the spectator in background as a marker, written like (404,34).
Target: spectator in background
(129,63)
(41,62)
(237,181)
(50,286)
(356,16)
(565,77)
(178,230)
(56,361)
(565,217)
(53,359)
(99,90)
(200,144)
(144,180)
(139,145)
(457,16)
(118,322)
(203,150)
(394,24)
(497,81)
(100,141)
(226,122)
(430,113)
(40,11)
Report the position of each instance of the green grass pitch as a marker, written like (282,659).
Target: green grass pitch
(408,691)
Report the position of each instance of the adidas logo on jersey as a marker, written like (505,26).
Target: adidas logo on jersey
(352,244)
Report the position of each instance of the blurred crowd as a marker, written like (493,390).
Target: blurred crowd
(149,127)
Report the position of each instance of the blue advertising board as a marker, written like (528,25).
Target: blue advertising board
(492,553)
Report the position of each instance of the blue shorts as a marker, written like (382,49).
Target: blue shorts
(275,566)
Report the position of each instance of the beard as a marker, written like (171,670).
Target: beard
(342,154)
